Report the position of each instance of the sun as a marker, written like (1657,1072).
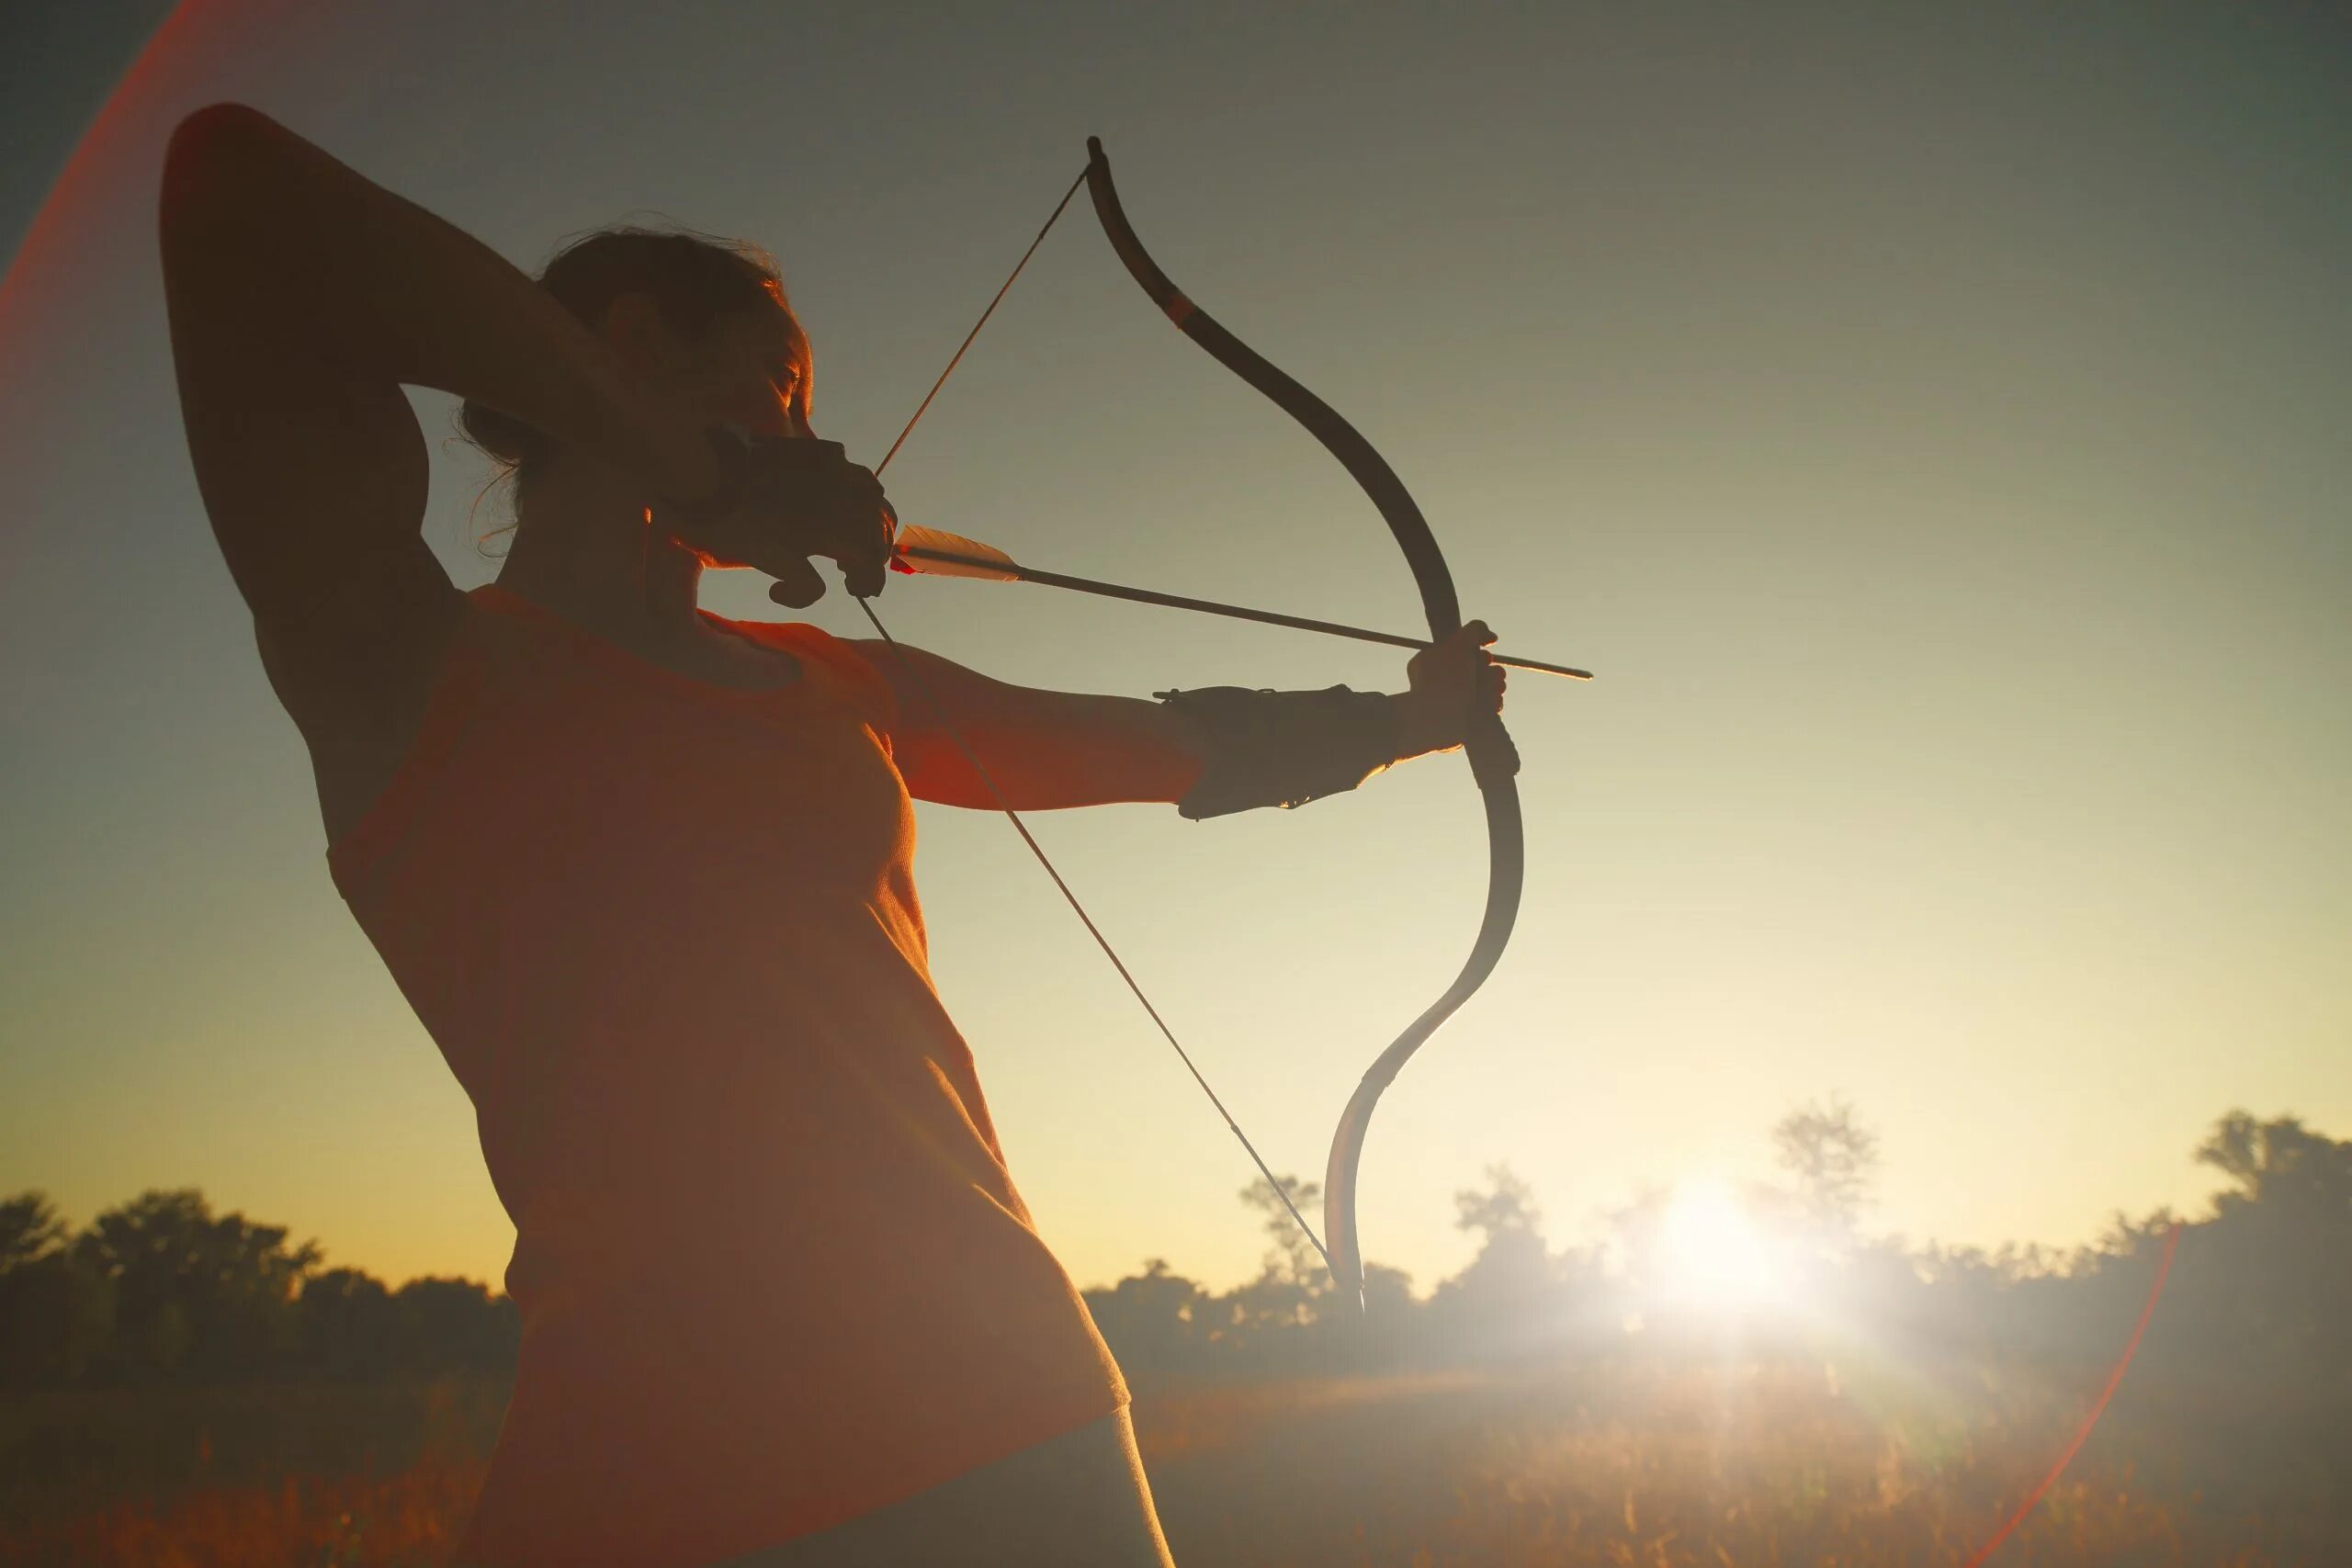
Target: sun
(1718,1253)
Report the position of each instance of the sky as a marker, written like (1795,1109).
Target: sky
(1929,423)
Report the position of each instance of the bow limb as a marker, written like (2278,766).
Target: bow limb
(1493,760)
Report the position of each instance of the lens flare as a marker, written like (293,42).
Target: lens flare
(1719,1255)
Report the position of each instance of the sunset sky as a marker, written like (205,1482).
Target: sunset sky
(1931,425)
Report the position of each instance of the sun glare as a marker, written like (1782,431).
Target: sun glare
(1717,1251)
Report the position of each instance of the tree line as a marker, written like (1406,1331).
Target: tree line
(163,1289)
(2259,1294)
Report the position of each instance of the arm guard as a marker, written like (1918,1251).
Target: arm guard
(1283,749)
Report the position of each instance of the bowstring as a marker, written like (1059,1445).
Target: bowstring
(956,733)
(957,357)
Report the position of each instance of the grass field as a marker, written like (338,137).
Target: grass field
(1615,1463)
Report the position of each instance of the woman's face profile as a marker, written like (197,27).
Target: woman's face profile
(750,360)
(742,372)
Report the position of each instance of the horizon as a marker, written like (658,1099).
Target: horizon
(1591,1238)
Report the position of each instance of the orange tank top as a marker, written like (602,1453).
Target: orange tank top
(772,1272)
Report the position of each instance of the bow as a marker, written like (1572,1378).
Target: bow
(1494,761)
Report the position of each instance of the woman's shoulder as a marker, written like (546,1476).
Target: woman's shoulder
(846,661)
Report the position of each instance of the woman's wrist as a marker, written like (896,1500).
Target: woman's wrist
(1424,726)
(1267,747)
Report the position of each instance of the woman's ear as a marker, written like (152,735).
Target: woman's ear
(632,326)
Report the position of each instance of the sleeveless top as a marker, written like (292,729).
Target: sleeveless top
(772,1271)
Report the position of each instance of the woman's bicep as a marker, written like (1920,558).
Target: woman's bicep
(959,731)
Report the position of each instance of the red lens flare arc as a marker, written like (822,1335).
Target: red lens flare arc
(2099,1406)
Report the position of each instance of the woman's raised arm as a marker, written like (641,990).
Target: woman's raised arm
(302,297)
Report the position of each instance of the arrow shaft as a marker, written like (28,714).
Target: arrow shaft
(1212,607)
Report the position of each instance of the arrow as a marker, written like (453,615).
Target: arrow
(935,552)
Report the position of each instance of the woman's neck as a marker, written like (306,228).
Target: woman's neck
(587,552)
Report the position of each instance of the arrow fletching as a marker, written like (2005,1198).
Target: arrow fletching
(935,552)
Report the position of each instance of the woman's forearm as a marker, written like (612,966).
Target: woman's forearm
(1047,749)
(388,292)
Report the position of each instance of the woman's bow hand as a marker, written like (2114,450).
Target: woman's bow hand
(1451,682)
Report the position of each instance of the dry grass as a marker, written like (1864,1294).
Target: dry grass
(409,1519)
(258,1476)
(1615,1465)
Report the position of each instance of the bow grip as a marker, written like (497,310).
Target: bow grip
(1494,759)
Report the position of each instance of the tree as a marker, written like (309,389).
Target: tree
(350,1329)
(1507,1209)
(1151,1320)
(1287,1291)
(1292,1261)
(448,1324)
(196,1294)
(2280,1161)
(1512,1279)
(2274,1264)
(28,1227)
(1834,1159)
(56,1315)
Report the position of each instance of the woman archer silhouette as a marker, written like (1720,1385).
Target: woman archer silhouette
(645,873)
